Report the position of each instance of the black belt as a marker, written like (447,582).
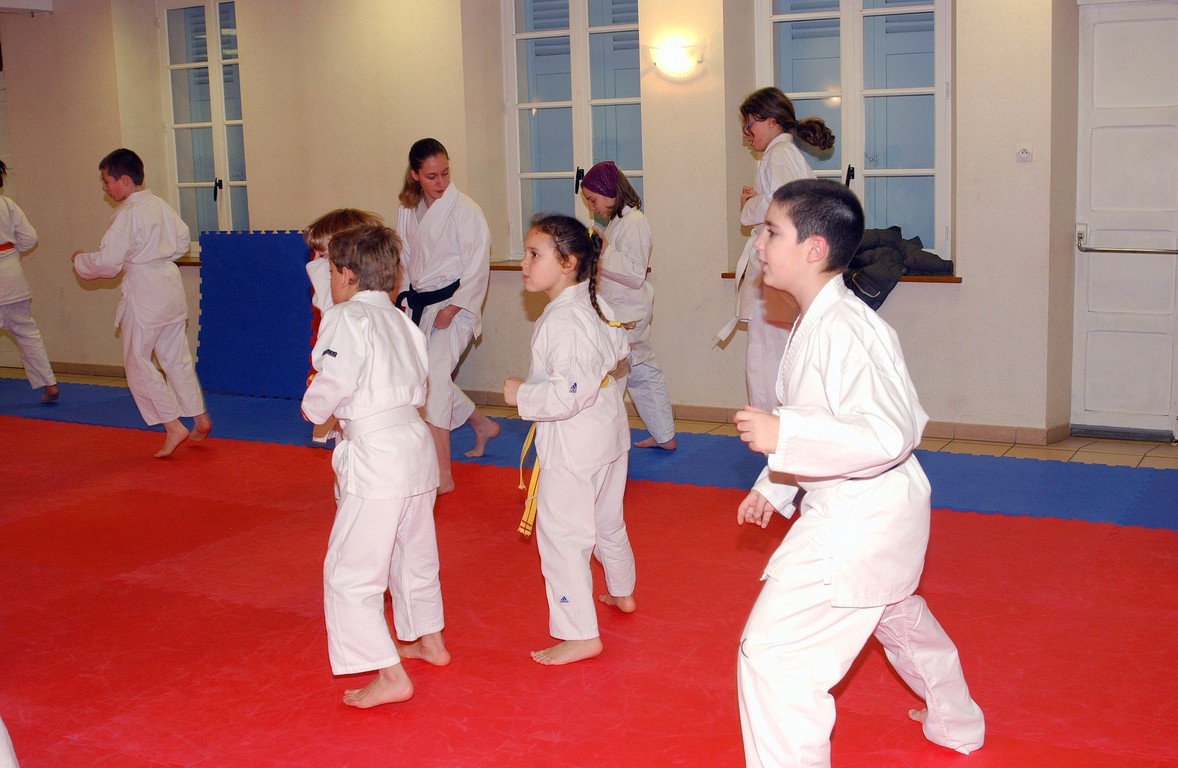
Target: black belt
(417,301)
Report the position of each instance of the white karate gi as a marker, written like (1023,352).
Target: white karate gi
(319,273)
(850,564)
(445,242)
(144,240)
(624,286)
(371,364)
(769,314)
(16,298)
(582,441)
(7,753)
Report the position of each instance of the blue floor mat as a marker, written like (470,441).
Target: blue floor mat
(1030,487)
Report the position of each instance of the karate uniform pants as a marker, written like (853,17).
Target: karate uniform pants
(796,647)
(769,327)
(17,319)
(579,514)
(446,405)
(648,392)
(375,544)
(7,754)
(160,400)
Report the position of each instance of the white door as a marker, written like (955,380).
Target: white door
(1125,358)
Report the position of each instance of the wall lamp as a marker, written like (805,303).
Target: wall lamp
(677,60)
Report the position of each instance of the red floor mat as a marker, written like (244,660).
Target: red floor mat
(168,613)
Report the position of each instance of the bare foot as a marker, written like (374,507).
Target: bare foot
(175,434)
(485,430)
(50,394)
(429,648)
(390,685)
(201,426)
(650,442)
(568,651)
(624,604)
(918,714)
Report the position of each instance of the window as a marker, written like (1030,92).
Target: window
(877,72)
(203,86)
(574,77)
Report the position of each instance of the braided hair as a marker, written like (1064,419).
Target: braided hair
(572,240)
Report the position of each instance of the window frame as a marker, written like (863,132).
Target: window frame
(852,133)
(217,122)
(580,103)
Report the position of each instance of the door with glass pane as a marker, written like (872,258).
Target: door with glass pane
(870,69)
(577,100)
(204,92)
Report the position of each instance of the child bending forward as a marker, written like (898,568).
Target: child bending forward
(371,364)
(848,423)
(582,437)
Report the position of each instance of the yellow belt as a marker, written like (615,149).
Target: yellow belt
(528,521)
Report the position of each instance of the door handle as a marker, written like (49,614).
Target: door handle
(577,181)
(217,185)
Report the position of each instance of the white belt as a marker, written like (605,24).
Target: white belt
(355,428)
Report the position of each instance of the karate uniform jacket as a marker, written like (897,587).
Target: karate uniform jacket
(623,282)
(579,423)
(143,241)
(319,273)
(781,163)
(370,368)
(450,242)
(850,419)
(16,229)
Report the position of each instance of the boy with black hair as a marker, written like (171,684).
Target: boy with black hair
(848,568)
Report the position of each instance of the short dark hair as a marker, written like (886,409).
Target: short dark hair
(827,208)
(372,252)
(123,162)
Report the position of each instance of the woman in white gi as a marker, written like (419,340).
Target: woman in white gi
(370,364)
(769,127)
(582,437)
(445,269)
(848,568)
(17,236)
(625,256)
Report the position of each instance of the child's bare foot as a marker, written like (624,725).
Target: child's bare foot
(50,394)
(568,651)
(175,434)
(485,430)
(624,604)
(201,426)
(429,648)
(918,714)
(391,685)
(650,442)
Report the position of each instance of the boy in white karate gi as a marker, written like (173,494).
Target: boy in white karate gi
(370,362)
(143,242)
(844,434)
(582,437)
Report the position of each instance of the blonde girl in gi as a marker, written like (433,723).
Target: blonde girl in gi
(625,256)
(17,236)
(445,269)
(582,436)
(770,126)
(370,363)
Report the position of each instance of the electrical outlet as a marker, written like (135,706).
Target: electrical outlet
(1023,155)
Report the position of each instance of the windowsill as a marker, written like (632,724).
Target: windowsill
(904,279)
(188,261)
(510,265)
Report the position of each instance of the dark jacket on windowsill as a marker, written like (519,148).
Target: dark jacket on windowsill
(883,258)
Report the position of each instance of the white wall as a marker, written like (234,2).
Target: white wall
(334,93)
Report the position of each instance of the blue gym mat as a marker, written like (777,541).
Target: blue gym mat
(1030,487)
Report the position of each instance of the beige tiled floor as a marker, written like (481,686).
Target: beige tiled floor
(1124,453)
